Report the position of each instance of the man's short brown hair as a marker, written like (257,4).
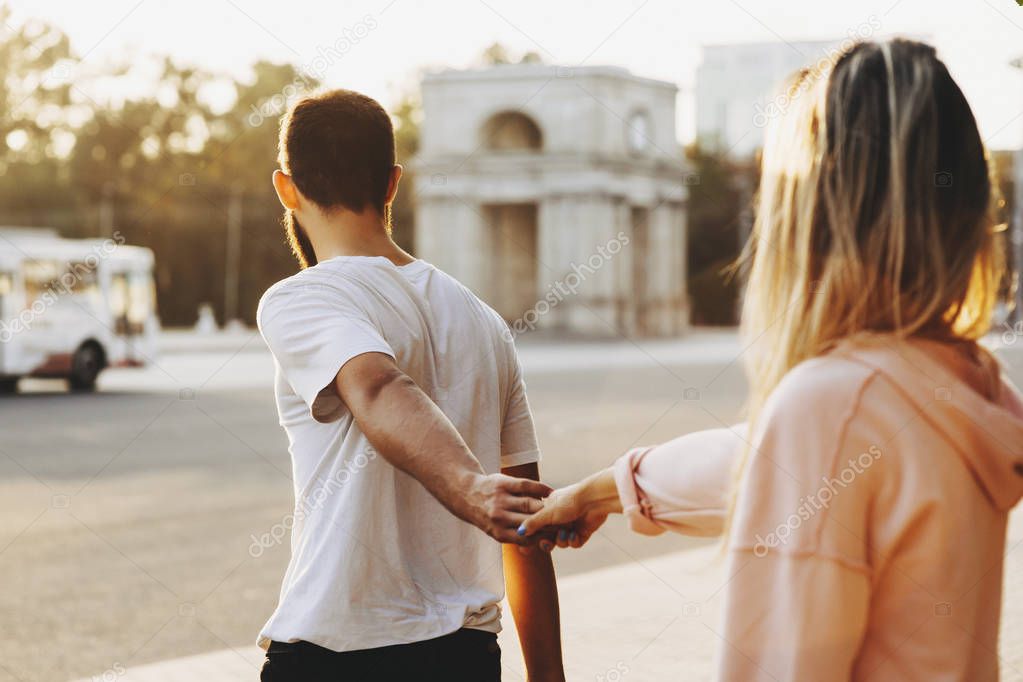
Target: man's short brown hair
(338,148)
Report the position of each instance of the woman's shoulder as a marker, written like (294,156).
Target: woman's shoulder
(835,406)
(892,369)
(814,461)
(823,385)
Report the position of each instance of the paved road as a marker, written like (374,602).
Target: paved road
(127,517)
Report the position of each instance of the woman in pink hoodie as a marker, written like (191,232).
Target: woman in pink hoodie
(866,503)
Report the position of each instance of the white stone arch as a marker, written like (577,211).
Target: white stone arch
(511,130)
(512,208)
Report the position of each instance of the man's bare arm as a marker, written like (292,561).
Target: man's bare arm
(533,596)
(414,435)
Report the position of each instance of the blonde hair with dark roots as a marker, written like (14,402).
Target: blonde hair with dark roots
(875,214)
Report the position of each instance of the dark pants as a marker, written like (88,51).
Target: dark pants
(463,656)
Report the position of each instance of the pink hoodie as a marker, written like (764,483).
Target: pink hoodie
(869,533)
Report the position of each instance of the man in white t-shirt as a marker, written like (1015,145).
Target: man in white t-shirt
(410,436)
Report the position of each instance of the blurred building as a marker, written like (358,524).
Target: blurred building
(737,89)
(558,195)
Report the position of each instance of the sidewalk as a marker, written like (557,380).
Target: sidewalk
(645,621)
(235,360)
(543,351)
(184,340)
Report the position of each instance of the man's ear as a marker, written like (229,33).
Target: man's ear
(392,185)
(287,193)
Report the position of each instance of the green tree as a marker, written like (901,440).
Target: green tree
(719,201)
(497,54)
(407,117)
(34,95)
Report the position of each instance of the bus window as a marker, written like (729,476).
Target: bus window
(51,278)
(6,289)
(132,301)
(81,279)
(40,279)
(119,302)
(141,300)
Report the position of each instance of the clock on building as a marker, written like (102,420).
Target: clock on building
(638,132)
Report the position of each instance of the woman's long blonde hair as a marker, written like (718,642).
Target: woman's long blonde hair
(875,213)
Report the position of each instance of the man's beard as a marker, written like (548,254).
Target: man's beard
(298,240)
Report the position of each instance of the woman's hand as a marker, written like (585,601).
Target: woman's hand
(577,510)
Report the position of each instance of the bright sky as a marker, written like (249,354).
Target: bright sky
(391,41)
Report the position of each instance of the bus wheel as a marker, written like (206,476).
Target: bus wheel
(8,386)
(85,367)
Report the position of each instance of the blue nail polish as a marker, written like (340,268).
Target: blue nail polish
(562,534)
(573,536)
(522,529)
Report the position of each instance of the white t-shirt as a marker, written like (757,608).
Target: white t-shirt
(375,559)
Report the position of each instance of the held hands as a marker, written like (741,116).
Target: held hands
(499,504)
(574,512)
(524,512)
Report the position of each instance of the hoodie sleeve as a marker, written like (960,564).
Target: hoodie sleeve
(682,485)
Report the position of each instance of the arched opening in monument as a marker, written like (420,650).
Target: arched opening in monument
(512,236)
(512,131)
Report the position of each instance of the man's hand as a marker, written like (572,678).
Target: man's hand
(533,597)
(499,504)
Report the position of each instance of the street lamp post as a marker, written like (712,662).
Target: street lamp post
(1016,233)
(234,247)
(106,211)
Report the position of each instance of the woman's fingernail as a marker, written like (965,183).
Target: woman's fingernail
(546,546)
(562,534)
(573,536)
(522,529)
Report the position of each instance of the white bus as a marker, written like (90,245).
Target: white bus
(71,307)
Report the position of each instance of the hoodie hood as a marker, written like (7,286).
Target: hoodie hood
(987,434)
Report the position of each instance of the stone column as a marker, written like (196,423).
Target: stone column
(590,272)
(551,228)
(681,288)
(451,235)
